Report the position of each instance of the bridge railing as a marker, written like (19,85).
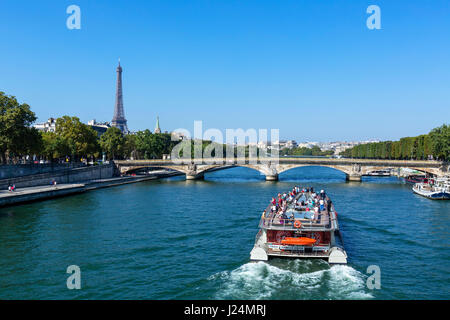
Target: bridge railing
(289,159)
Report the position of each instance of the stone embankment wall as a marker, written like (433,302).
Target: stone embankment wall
(19,170)
(61,176)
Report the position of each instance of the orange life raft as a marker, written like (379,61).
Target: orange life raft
(302,241)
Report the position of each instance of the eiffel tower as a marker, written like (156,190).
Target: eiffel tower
(119,120)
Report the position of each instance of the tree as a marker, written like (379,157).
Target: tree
(440,138)
(143,144)
(52,146)
(113,143)
(436,143)
(17,137)
(427,146)
(153,145)
(77,139)
(130,150)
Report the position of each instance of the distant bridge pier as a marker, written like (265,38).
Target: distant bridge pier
(353,177)
(199,176)
(273,177)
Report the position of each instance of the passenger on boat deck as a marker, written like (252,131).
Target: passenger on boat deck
(279,217)
(316,214)
(329,205)
(322,194)
(321,203)
(273,201)
(274,209)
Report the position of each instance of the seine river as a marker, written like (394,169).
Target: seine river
(176,239)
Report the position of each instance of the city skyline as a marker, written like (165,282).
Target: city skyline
(322,79)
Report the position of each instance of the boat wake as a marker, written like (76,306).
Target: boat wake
(296,279)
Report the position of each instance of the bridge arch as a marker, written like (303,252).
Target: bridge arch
(128,170)
(216,167)
(285,168)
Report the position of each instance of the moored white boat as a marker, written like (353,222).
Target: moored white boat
(380,173)
(439,189)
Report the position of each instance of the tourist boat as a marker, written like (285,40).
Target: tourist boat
(437,189)
(380,173)
(300,231)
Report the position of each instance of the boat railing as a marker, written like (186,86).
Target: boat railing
(326,222)
(275,223)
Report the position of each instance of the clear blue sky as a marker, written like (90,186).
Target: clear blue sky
(310,68)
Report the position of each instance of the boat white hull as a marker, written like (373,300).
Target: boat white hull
(436,195)
(258,254)
(263,250)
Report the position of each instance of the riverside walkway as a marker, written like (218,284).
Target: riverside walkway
(29,194)
(23,195)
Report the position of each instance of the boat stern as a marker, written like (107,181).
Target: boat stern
(258,254)
(337,256)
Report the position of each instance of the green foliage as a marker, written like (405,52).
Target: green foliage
(440,142)
(436,143)
(151,145)
(129,148)
(303,151)
(112,143)
(75,138)
(17,137)
(52,146)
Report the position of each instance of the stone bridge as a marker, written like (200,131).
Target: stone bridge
(353,168)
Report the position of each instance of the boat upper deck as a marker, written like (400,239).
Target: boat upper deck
(305,211)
